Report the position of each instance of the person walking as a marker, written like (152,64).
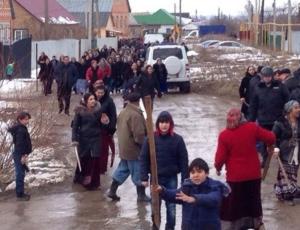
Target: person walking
(131,131)
(86,135)
(244,90)
(267,103)
(236,149)
(171,157)
(66,77)
(287,131)
(107,135)
(22,148)
(161,72)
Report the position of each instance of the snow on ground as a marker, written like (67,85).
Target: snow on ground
(44,169)
(17,85)
(242,57)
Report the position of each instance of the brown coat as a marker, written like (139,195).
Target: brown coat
(131,131)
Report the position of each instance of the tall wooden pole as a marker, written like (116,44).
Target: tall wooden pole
(154,176)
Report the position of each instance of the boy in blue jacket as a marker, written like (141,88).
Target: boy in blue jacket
(200,197)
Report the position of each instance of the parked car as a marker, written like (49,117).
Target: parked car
(233,46)
(176,61)
(208,43)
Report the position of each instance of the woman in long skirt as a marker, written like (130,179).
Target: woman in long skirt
(242,209)
(287,131)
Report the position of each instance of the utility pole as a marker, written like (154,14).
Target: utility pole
(91,9)
(46,25)
(180,28)
(98,19)
(289,26)
(274,25)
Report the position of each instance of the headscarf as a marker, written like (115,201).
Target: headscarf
(234,118)
(290,105)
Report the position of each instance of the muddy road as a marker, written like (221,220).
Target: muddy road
(63,206)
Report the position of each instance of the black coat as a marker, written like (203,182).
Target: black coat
(171,157)
(244,91)
(293,82)
(86,130)
(283,132)
(161,74)
(108,106)
(21,139)
(146,85)
(267,104)
(253,83)
(67,76)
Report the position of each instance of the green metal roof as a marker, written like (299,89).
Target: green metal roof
(160,17)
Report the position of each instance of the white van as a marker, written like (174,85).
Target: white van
(176,61)
(153,38)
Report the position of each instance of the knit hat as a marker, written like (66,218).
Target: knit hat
(290,105)
(133,97)
(267,71)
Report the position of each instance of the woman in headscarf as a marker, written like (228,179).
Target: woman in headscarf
(287,131)
(87,125)
(242,209)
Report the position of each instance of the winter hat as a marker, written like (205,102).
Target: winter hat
(267,71)
(290,105)
(164,116)
(259,68)
(285,71)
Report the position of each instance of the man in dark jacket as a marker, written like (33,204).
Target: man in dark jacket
(67,75)
(255,80)
(22,148)
(267,103)
(171,157)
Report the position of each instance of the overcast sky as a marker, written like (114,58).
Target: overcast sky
(204,7)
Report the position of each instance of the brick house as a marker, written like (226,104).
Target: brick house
(27,18)
(112,20)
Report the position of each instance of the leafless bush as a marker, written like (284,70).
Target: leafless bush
(41,110)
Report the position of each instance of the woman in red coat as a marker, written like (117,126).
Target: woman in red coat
(242,209)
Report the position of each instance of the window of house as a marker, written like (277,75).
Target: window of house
(20,34)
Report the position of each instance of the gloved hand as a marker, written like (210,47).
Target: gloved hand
(75,143)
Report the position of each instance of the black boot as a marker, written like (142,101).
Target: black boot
(113,189)
(142,197)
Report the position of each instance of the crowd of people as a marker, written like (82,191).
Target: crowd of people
(267,119)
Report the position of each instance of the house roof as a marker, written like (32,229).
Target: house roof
(103,18)
(160,17)
(83,5)
(57,13)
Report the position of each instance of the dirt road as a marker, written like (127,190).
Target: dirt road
(65,206)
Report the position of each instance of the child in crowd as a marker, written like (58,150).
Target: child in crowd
(22,148)
(200,196)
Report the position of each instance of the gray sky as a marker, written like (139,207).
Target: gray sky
(204,7)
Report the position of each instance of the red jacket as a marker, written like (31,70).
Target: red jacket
(101,73)
(237,150)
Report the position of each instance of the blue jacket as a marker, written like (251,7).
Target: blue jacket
(171,157)
(204,213)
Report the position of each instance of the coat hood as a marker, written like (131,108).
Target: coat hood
(13,129)
(164,116)
(82,107)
